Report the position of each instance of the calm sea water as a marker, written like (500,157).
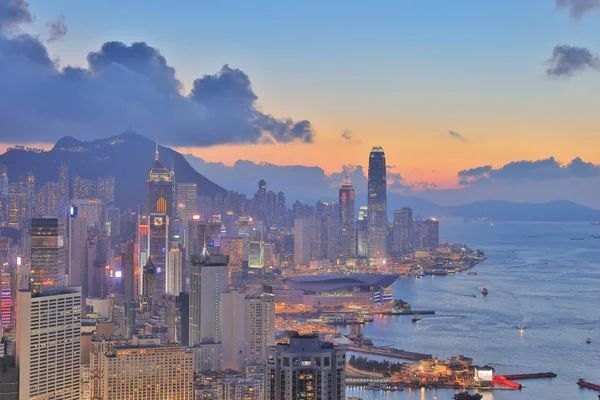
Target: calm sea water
(549,284)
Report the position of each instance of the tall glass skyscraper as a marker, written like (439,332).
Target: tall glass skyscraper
(161,189)
(346,218)
(377,203)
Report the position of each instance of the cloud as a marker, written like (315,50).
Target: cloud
(538,170)
(577,8)
(58,29)
(13,13)
(567,61)
(348,136)
(124,85)
(456,135)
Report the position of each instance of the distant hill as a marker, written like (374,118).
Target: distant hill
(508,211)
(128,157)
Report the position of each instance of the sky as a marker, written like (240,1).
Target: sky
(444,87)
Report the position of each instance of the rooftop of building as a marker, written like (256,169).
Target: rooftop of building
(305,344)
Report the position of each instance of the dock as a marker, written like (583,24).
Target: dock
(540,375)
(405,312)
(392,353)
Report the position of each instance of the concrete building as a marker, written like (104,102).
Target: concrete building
(148,371)
(48,343)
(305,366)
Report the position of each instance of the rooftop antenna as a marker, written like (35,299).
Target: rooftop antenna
(156,153)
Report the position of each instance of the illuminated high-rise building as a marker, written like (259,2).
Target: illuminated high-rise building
(77,258)
(145,370)
(362,232)
(377,203)
(106,189)
(112,221)
(3,181)
(260,328)
(402,231)
(47,249)
(260,199)
(158,247)
(160,189)
(308,366)
(63,195)
(129,275)
(187,201)
(6,300)
(31,196)
(84,188)
(49,343)
(174,270)
(17,206)
(346,220)
(46,200)
(149,280)
(431,234)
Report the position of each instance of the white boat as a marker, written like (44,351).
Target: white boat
(416,318)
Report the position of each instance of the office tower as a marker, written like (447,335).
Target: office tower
(270,208)
(302,241)
(106,189)
(256,254)
(431,234)
(47,198)
(182,303)
(187,201)
(403,231)
(260,198)
(47,241)
(77,258)
(362,232)
(31,196)
(346,220)
(286,255)
(91,210)
(113,221)
(6,300)
(377,203)
(158,244)
(160,189)
(145,370)
(308,366)
(324,235)
(17,206)
(281,210)
(129,275)
(174,273)
(99,288)
(208,279)
(260,329)
(149,280)
(233,328)
(48,343)
(62,189)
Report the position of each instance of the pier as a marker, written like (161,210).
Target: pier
(541,375)
(405,312)
(392,353)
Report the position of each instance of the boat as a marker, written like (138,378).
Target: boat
(484,291)
(588,341)
(467,396)
(577,238)
(595,223)
(472,273)
(521,328)
(533,236)
(416,318)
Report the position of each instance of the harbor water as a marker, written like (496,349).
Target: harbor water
(537,277)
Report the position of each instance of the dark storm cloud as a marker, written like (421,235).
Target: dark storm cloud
(538,170)
(577,8)
(124,85)
(58,29)
(568,60)
(456,135)
(13,13)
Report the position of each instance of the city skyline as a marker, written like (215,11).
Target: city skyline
(526,118)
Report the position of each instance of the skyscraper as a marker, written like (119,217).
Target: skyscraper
(49,343)
(174,271)
(47,252)
(301,241)
(208,279)
(260,198)
(62,191)
(160,189)
(260,329)
(149,280)
(187,202)
(403,231)
(77,259)
(129,275)
(431,233)
(305,365)
(346,220)
(362,232)
(158,245)
(377,203)
(6,300)
(31,196)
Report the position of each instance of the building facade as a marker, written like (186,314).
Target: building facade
(377,203)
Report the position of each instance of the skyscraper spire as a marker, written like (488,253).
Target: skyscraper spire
(156,153)
(347,181)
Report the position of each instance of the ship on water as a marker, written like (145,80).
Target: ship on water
(416,318)
(484,291)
